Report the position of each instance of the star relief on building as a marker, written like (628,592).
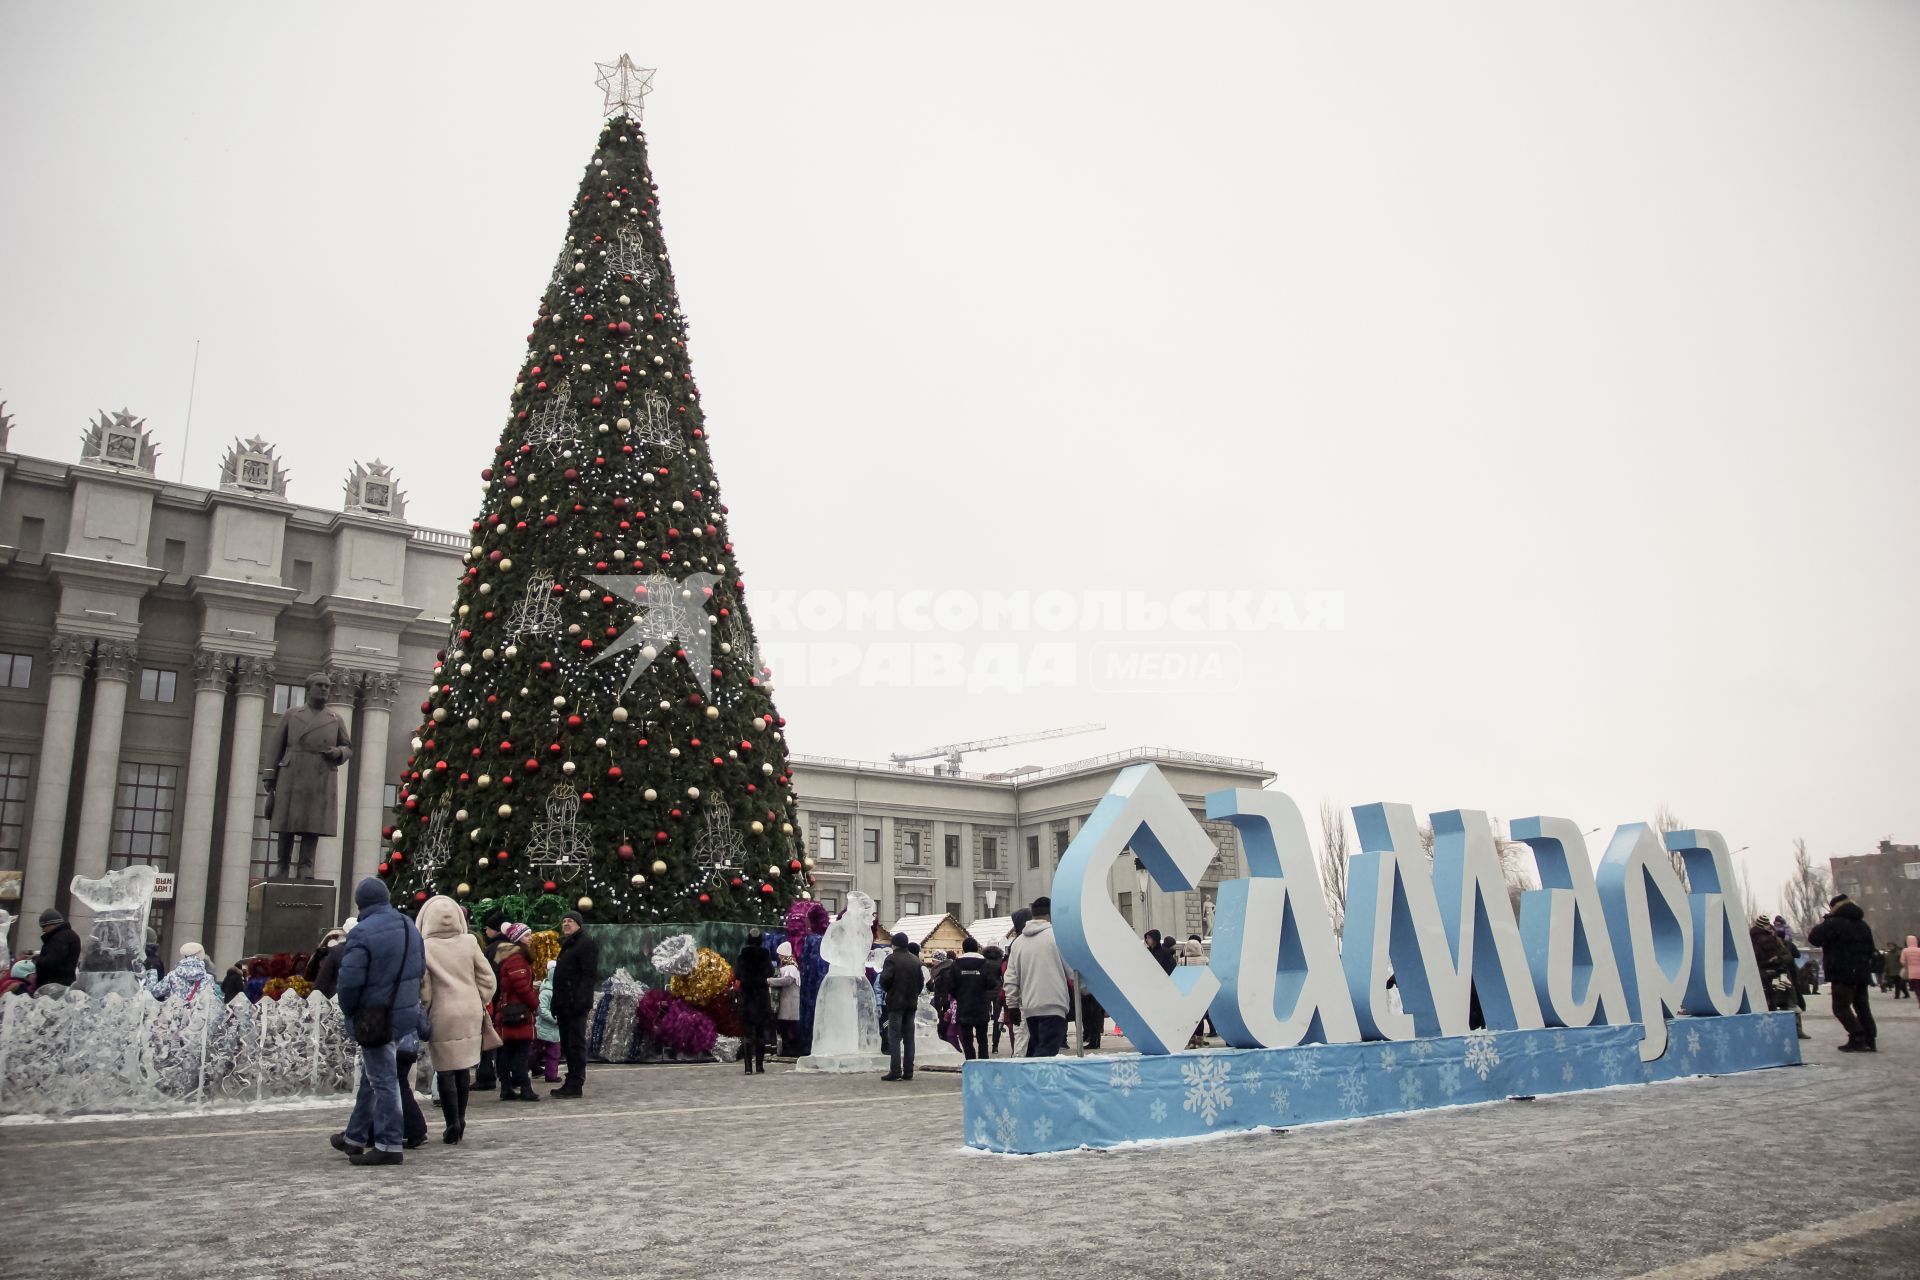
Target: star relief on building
(119,440)
(372,490)
(251,466)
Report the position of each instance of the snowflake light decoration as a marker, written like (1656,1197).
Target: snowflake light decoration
(654,426)
(436,843)
(554,428)
(630,257)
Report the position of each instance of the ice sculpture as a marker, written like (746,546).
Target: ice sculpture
(930,1051)
(6,927)
(112,960)
(846,1036)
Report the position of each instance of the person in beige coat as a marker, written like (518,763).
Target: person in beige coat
(455,992)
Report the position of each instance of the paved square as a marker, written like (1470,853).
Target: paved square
(701,1171)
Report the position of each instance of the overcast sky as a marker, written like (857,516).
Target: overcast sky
(1574,347)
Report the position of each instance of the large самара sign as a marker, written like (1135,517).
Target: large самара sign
(1583,989)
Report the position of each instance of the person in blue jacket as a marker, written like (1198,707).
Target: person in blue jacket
(382,963)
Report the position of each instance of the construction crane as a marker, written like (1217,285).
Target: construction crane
(952,752)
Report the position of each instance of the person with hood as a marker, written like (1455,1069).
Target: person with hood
(1165,951)
(786,1013)
(233,981)
(188,978)
(1895,974)
(1910,963)
(970,984)
(1037,984)
(996,963)
(458,984)
(1010,1012)
(753,969)
(577,975)
(326,974)
(490,926)
(59,956)
(1847,954)
(381,965)
(514,1001)
(901,979)
(331,939)
(546,1034)
(18,979)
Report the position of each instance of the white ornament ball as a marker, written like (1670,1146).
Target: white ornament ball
(693,793)
(619,715)
(460,815)
(517,501)
(713,713)
(637,880)
(757,828)
(567,768)
(487,654)
(466,668)
(773,868)
(650,794)
(600,743)
(679,505)
(439,715)
(486,588)
(809,864)
(786,828)
(673,753)
(766,768)
(473,722)
(505,811)
(512,651)
(659,868)
(585,903)
(559,700)
(463,889)
(483,781)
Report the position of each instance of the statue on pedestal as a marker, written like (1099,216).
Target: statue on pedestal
(303,798)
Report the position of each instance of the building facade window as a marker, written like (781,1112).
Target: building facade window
(827,843)
(989,853)
(910,847)
(909,906)
(1060,842)
(953,909)
(953,851)
(287,696)
(870,844)
(143,815)
(390,796)
(157,685)
(1913,870)
(831,901)
(16,670)
(16,771)
(1033,853)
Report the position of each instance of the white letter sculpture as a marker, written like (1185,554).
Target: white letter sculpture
(1724,975)
(1273,946)
(1142,811)
(1652,935)
(1568,946)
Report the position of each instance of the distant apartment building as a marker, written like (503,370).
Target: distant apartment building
(1886,884)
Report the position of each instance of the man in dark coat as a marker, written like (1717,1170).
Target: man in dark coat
(1847,954)
(901,979)
(575,975)
(1163,950)
(59,956)
(752,968)
(971,983)
(381,963)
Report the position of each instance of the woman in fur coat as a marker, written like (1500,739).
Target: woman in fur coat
(458,984)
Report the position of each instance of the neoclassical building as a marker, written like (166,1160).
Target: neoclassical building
(924,842)
(151,633)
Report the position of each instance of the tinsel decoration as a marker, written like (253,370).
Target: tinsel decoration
(652,1006)
(684,1031)
(726,1048)
(804,918)
(725,1016)
(617,1031)
(300,987)
(676,955)
(710,978)
(545,946)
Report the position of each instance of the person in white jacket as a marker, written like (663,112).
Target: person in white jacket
(1037,984)
(786,1010)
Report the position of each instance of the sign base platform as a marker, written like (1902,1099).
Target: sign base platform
(1032,1105)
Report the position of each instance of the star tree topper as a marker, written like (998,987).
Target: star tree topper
(625,85)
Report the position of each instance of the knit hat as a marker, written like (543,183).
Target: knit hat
(574,916)
(1837,899)
(786,951)
(899,939)
(494,920)
(51,917)
(516,932)
(191,949)
(153,937)
(1761,922)
(23,969)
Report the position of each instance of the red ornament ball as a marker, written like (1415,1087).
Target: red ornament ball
(704,899)
(549,886)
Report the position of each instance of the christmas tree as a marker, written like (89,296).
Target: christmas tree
(599,726)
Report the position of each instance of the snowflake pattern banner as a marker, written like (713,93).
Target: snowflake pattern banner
(1032,1105)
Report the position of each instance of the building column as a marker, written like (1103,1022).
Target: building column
(253,682)
(193,860)
(40,889)
(327,855)
(113,665)
(369,806)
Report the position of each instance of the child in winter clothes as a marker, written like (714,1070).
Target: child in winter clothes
(546,1032)
(19,978)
